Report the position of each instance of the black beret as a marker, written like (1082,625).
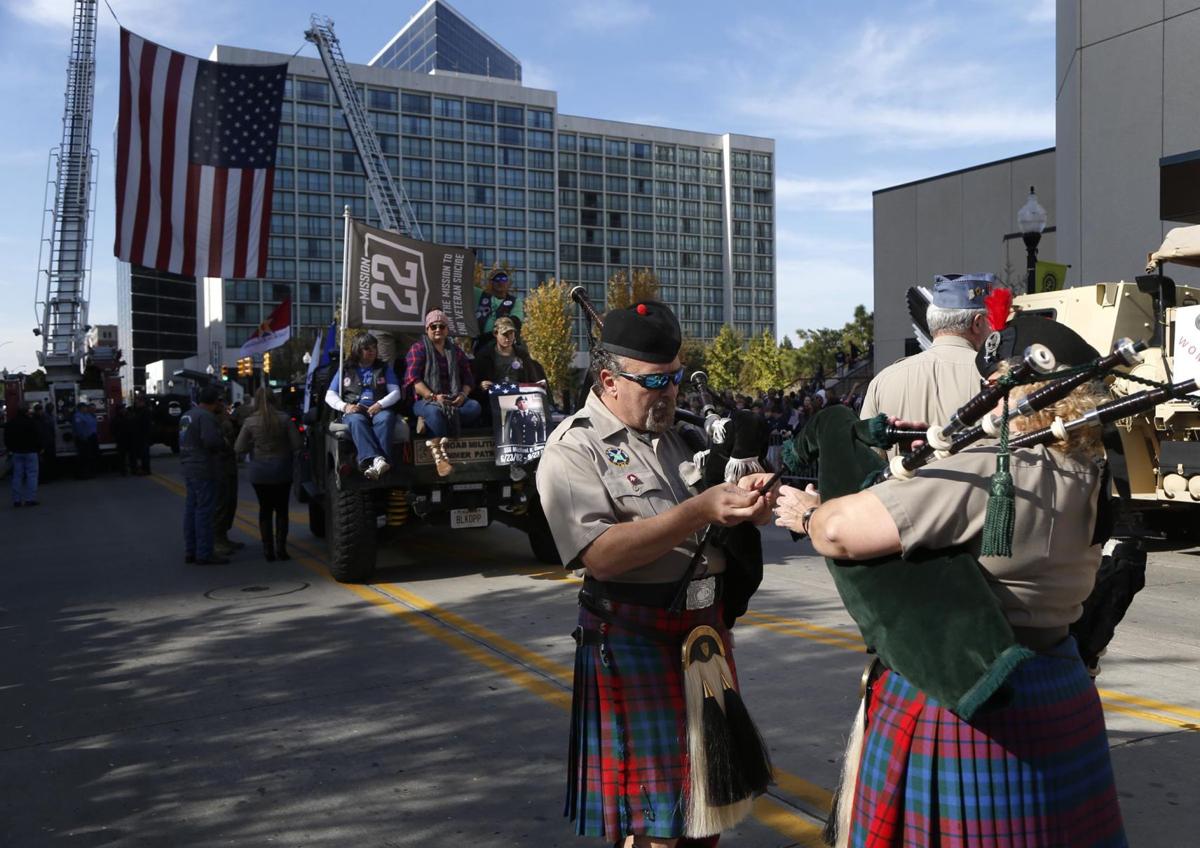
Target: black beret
(647,331)
(1068,347)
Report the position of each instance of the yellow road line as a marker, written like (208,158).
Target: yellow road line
(805,630)
(438,623)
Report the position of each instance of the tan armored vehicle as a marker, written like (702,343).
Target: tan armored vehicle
(1162,448)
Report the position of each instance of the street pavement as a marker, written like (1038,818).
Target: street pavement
(149,702)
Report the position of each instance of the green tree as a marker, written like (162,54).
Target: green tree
(724,359)
(818,351)
(859,332)
(623,292)
(692,353)
(547,330)
(763,366)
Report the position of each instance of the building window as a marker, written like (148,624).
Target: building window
(479,111)
(481,132)
(447,108)
(566,141)
(539,119)
(381,99)
(416,104)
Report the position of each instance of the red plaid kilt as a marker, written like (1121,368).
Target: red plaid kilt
(1035,774)
(628,751)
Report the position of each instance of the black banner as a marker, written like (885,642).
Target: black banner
(395,281)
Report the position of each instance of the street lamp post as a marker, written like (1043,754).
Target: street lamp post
(1031,220)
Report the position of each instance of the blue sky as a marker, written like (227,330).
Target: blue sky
(858,95)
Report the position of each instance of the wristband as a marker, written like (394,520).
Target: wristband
(806,518)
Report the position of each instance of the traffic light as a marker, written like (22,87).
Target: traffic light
(225,373)
(267,362)
(245,367)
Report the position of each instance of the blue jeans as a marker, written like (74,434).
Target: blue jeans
(372,437)
(198,517)
(24,477)
(435,419)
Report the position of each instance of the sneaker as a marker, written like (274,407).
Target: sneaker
(371,472)
(213,560)
(381,466)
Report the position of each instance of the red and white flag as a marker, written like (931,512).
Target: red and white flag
(271,333)
(195,161)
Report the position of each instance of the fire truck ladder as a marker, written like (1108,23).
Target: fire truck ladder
(395,212)
(67,218)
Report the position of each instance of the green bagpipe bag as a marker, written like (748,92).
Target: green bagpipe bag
(929,616)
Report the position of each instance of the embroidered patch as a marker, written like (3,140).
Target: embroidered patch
(618,457)
(634,480)
(346,381)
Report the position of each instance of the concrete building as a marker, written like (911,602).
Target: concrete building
(491,164)
(1125,168)
(156,319)
(440,38)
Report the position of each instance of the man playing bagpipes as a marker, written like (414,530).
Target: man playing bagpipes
(662,752)
(1008,537)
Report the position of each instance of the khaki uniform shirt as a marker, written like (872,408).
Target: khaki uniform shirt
(596,472)
(1054,563)
(929,387)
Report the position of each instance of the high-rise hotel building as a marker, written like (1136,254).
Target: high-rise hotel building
(492,164)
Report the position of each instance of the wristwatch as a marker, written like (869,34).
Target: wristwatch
(807,517)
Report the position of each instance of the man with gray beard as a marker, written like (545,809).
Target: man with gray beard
(619,490)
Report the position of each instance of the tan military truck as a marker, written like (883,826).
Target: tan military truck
(1162,448)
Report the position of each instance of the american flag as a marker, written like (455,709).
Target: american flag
(195,161)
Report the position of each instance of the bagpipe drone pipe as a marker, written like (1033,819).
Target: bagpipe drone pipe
(931,616)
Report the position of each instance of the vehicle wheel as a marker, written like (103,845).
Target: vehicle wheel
(316,518)
(350,532)
(541,540)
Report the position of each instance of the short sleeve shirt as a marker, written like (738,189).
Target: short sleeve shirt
(929,387)
(596,472)
(1054,563)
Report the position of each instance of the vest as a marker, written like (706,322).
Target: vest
(352,385)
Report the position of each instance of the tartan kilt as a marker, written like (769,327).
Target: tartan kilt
(628,764)
(1034,774)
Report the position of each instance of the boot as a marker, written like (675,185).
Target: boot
(437,447)
(264,530)
(281,544)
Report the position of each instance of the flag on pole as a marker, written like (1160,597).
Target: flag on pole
(195,161)
(1049,276)
(272,333)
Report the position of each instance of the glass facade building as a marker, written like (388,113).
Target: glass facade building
(439,38)
(494,166)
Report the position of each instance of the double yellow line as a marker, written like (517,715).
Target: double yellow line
(801,823)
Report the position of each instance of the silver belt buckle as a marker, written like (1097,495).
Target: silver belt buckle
(702,594)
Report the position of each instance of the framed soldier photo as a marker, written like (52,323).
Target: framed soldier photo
(519,422)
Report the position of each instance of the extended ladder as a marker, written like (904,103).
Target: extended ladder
(395,212)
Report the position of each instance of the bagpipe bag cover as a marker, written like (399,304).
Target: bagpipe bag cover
(930,616)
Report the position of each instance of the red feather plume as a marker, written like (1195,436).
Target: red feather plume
(998,304)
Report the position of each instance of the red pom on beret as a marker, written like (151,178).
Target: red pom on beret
(641,309)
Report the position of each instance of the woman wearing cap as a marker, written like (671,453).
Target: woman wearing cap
(495,302)
(364,390)
(437,374)
(1033,772)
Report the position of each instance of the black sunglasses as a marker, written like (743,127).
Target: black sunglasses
(654,381)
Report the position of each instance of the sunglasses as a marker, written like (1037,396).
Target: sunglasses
(654,381)
(438,327)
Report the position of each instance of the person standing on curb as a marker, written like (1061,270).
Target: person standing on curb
(200,444)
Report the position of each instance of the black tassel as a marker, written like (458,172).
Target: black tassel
(750,758)
(721,777)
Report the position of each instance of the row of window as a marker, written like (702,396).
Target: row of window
(416,103)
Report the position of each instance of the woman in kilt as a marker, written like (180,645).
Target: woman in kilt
(1033,771)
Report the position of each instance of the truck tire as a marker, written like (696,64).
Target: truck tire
(316,518)
(541,540)
(350,532)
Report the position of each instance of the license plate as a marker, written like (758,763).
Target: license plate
(463,518)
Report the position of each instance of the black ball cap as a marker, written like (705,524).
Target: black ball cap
(647,331)
(1068,347)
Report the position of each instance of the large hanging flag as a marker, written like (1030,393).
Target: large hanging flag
(271,333)
(392,282)
(195,161)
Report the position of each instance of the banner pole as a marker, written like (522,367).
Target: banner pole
(345,296)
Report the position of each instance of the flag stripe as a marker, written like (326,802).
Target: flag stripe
(249,228)
(216,234)
(257,203)
(167,165)
(181,168)
(123,124)
(204,209)
(152,225)
(145,84)
(191,217)
(264,192)
(233,194)
(127,189)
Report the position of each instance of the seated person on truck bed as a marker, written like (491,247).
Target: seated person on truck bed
(438,374)
(368,390)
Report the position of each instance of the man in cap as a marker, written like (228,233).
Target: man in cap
(200,446)
(932,385)
(495,301)
(524,426)
(619,491)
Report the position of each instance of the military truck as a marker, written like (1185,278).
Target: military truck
(356,515)
(1161,448)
